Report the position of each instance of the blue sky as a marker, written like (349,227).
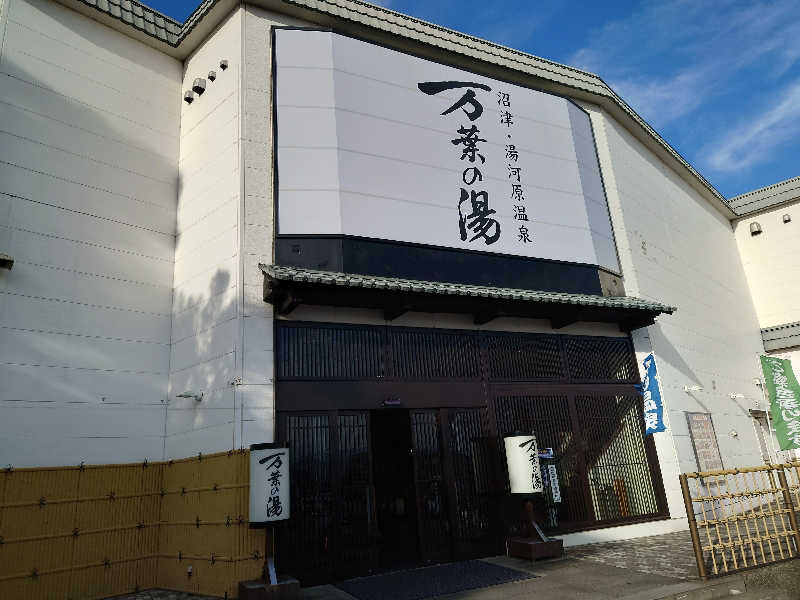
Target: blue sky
(720,81)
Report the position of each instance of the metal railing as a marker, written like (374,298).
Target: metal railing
(742,518)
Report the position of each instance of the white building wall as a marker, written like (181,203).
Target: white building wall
(676,248)
(204,352)
(89,123)
(772,264)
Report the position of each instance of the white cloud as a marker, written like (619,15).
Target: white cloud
(753,140)
(670,58)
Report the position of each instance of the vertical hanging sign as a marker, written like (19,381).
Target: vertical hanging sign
(784,400)
(522,455)
(653,408)
(269,484)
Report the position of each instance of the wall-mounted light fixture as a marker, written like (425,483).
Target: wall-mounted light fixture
(787,218)
(223,64)
(212,75)
(735,396)
(199,86)
(692,388)
(755,228)
(194,395)
(188,96)
(733,433)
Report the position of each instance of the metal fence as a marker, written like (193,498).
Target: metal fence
(93,531)
(742,518)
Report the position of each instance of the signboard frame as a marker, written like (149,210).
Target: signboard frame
(439,60)
(285,493)
(694,442)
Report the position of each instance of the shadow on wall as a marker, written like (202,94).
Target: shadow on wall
(204,361)
(85,313)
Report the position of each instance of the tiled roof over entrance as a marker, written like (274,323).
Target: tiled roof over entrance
(392,284)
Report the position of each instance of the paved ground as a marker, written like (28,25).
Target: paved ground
(648,568)
(670,555)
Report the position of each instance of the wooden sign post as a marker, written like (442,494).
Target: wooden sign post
(269,504)
(525,479)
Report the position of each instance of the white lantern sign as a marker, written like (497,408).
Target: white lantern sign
(522,456)
(269,484)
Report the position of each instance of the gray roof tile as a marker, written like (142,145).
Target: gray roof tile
(781,337)
(767,197)
(283,273)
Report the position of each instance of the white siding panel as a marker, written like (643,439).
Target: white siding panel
(50,50)
(21,121)
(677,249)
(772,267)
(69,284)
(127,55)
(84,257)
(81,352)
(40,156)
(39,99)
(210,343)
(37,186)
(206,336)
(89,135)
(89,230)
(206,314)
(59,449)
(78,386)
(57,316)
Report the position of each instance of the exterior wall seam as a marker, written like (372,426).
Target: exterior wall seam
(240,297)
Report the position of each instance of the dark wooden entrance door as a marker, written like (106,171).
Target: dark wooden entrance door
(332,531)
(456,515)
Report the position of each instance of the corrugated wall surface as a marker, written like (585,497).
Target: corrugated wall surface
(98,531)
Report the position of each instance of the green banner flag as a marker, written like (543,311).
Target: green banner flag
(784,400)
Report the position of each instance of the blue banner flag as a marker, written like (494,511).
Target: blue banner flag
(653,408)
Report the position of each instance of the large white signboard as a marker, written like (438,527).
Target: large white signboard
(269,484)
(375,143)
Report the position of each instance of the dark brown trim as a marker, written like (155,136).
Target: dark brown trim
(301,396)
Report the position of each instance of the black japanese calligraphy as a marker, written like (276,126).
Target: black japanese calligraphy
(474,214)
(471,175)
(468,99)
(477,220)
(469,138)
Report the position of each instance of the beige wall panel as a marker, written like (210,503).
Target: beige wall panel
(111,555)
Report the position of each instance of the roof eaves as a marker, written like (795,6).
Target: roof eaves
(283,273)
(383,19)
(781,337)
(767,197)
